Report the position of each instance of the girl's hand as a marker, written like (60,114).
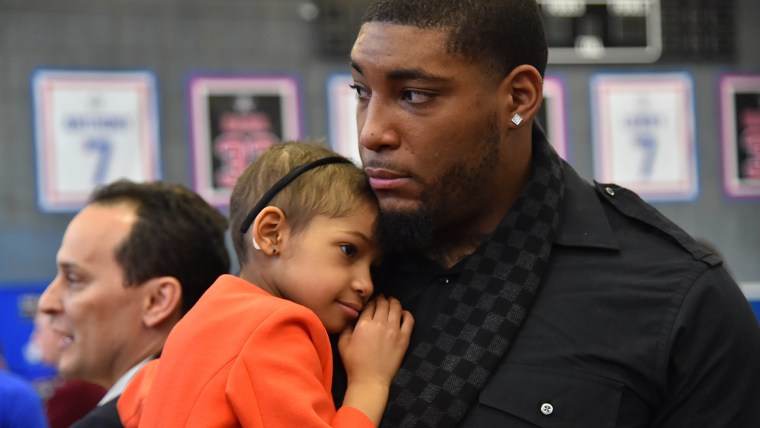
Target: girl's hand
(372,351)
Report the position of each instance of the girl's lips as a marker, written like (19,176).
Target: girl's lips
(350,310)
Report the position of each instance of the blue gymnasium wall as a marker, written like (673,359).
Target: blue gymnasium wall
(175,38)
(17,305)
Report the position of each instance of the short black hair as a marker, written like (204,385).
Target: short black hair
(177,233)
(501,33)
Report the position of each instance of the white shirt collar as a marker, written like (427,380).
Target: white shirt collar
(122,383)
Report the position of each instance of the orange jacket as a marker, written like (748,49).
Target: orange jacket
(240,357)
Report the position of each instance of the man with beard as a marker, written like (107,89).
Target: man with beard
(539,299)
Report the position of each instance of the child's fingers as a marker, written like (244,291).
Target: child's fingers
(345,337)
(394,311)
(368,312)
(407,323)
(381,308)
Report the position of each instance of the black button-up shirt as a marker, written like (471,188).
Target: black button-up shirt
(634,325)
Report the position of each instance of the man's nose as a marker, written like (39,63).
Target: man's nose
(50,301)
(376,126)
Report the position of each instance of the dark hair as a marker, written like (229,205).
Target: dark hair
(501,33)
(334,190)
(176,233)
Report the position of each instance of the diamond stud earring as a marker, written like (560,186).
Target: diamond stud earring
(517,119)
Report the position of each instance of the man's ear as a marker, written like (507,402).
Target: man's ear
(270,230)
(163,300)
(523,91)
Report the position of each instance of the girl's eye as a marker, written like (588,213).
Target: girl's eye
(361,92)
(416,97)
(348,249)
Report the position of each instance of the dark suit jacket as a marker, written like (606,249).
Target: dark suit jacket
(104,416)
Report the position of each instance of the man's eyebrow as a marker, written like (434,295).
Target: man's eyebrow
(356,67)
(413,74)
(405,74)
(67,266)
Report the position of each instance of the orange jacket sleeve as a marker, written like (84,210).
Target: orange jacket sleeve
(285,373)
(131,401)
(240,358)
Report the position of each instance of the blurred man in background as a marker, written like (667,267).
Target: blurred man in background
(20,405)
(66,400)
(130,264)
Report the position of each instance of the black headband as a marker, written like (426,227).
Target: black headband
(281,183)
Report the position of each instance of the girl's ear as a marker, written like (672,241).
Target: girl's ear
(269,230)
(523,94)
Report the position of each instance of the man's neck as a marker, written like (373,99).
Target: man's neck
(118,387)
(450,251)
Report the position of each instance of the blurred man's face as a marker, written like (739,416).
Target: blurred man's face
(96,317)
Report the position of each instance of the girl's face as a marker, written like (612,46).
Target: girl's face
(326,266)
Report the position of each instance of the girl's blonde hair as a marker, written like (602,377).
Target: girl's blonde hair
(334,190)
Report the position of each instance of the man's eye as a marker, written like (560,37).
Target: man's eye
(416,97)
(348,249)
(74,281)
(361,92)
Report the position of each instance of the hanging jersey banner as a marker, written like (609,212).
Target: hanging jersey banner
(233,120)
(92,127)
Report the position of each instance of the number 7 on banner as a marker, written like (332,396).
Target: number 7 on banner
(92,128)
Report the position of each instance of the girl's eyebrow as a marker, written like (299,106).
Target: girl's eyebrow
(359,235)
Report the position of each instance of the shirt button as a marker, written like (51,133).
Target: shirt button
(610,191)
(444,280)
(547,409)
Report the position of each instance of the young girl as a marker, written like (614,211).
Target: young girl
(254,350)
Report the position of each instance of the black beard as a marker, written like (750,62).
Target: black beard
(403,232)
(415,231)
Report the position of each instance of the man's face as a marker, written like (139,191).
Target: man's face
(428,124)
(95,315)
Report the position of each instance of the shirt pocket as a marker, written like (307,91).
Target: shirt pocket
(551,398)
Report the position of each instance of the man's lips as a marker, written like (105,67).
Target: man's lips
(64,338)
(383,179)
